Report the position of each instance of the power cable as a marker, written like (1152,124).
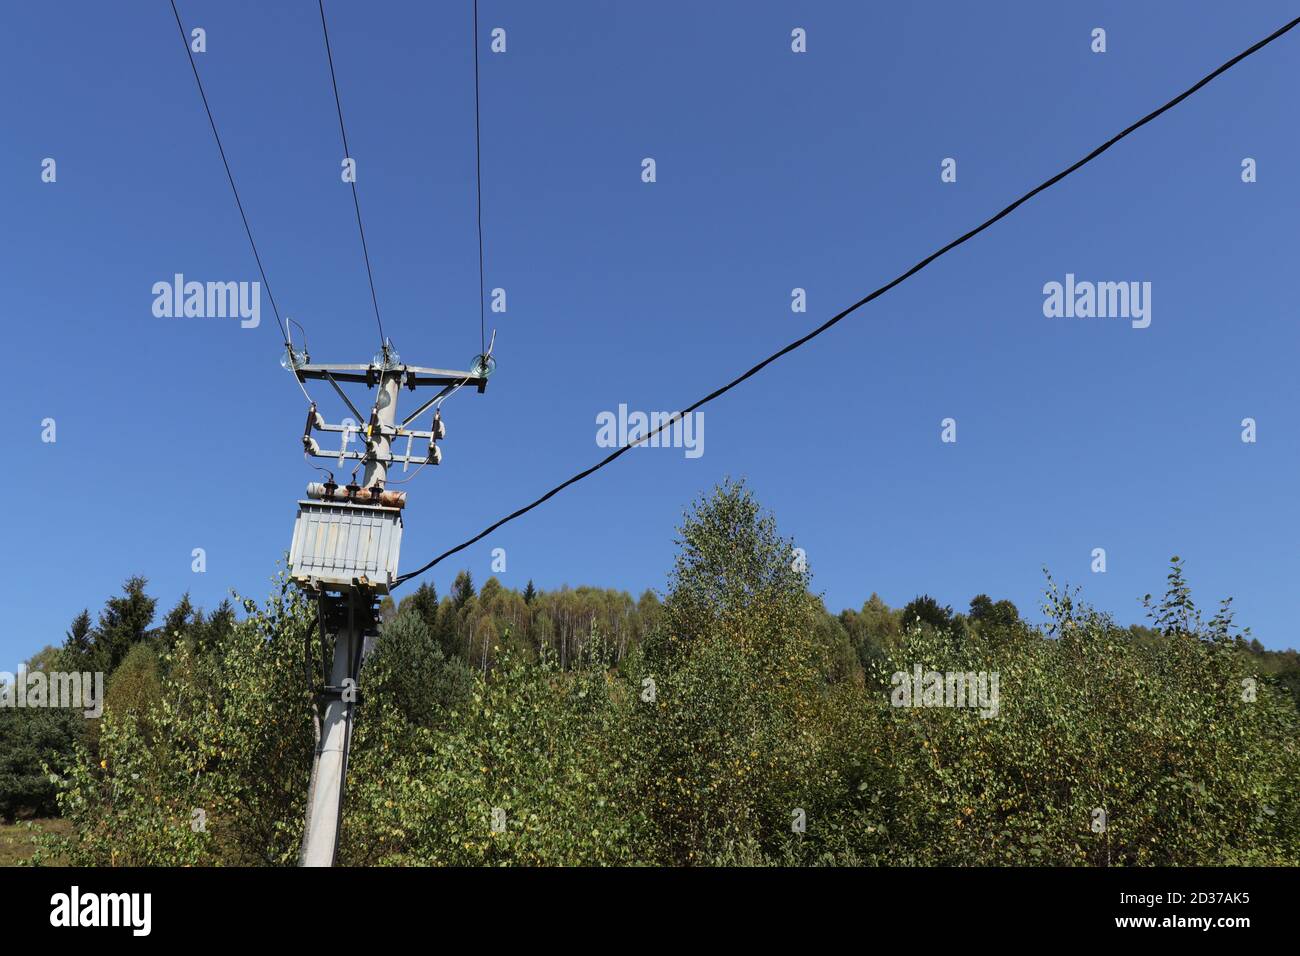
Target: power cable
(185,41)
(478,187)
(365,252)
(861,302)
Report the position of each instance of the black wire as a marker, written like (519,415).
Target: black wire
(185,40)
(863,301)
(365,252)
(478,186)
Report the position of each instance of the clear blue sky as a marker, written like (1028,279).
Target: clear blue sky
(775,170)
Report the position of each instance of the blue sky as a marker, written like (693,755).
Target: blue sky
(775,170)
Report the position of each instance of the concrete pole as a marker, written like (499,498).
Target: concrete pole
(325,794)
(329,770)
(386,409)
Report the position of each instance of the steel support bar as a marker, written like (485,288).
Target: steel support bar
(366,456)
(421,410)
(343,395)
(400,431)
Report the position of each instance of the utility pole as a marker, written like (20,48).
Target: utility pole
(330,767)
(345,549)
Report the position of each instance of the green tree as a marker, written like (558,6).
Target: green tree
(230,734)
(424,602)
(417,678)
(136,685)
(462,589)
(79,645)
(34,739)
(123,623)
(928,612)
(178,620)
(735,738)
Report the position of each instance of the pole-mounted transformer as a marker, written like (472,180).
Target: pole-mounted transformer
(346,541)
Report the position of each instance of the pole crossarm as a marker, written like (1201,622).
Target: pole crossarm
(413,376)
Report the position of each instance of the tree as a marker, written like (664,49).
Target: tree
(209,632)
(48,658)
(123,623)
(414,675)
(1158,738)
(530,592)
(490,590)
(462,589)
(30,740)
(79,644)
(928,612)
(871,630)
(1176,613)
(730,561)
(744,703)
(230,733)
(178,620)
(136,685)
(993,616)
(424,603)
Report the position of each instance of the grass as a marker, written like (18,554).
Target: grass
(16,838)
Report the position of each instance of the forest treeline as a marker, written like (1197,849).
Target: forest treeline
(477,627)
(731,719)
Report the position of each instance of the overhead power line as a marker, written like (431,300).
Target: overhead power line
(835,319)
(478,187)
(185,41)
(365,252)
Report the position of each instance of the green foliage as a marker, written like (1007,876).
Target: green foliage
(177,620)
(78,645)
(424,604)
(871,631)
(581,727)
(533,742)
(736,736)
(123,623)
(408,667)
(462,589)
(987,614)
(229,735)
(1161,741)
(135,686)
(30,740)
(927,613)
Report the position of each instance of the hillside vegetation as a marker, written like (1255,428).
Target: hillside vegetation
(733,721)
